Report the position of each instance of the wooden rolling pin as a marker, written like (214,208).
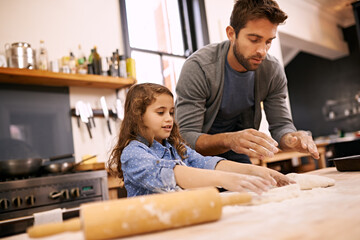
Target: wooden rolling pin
(143,214)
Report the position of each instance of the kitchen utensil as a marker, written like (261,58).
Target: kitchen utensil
(350,163)
(91,114)
(84,115)
(77,113)
(119,109)
(131,216)
(105,112)
(20,55)
(27,166)
(64,167)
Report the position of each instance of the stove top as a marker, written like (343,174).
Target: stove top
(21,198)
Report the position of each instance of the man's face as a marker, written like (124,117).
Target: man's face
(252,44)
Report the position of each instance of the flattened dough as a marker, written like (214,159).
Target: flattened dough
(308,181)
(277,194)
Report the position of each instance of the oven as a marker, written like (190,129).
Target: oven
(21,198)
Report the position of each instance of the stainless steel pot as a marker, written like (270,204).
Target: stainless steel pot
(20,55)
(64,167)
(27,166)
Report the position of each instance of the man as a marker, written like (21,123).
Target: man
(222,85)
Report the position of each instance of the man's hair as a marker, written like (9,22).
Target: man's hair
(246,10)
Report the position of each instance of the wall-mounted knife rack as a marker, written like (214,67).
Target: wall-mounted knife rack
(96,113)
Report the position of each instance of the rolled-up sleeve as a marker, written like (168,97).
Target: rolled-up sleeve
(197,160)
(145,170)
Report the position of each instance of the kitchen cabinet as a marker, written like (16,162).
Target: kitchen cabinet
(46,78)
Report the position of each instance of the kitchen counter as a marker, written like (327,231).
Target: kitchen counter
(321,213)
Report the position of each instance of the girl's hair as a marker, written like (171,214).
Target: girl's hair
(139,97)
(246,10)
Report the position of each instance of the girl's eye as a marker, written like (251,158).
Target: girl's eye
(160,113)
(172,113)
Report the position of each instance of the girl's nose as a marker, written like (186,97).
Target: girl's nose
(168,117)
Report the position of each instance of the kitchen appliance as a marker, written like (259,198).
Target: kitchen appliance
(20,55)
(20,198)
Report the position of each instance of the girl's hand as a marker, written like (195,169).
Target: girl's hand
(274,177)
(240,183)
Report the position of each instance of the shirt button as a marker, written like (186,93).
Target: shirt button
(157,162)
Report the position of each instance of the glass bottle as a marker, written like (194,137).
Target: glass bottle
(96,62)
(81,61)
(42,63)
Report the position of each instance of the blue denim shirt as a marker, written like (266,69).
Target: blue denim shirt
(149,170)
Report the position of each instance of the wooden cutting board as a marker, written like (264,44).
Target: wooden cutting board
(91,166)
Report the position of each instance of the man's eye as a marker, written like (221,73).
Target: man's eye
(254,40)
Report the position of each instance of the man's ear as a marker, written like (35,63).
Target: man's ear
(230,32)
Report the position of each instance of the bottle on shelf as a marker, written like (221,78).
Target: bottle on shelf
(130,68)
(96,62)
(122,67)
(42,61)
(115,65)
(72,63)
(90,66)
(105,66)
(81,61)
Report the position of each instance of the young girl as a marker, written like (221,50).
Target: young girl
(151,156)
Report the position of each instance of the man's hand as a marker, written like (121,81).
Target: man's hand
(252,143)
(299,141)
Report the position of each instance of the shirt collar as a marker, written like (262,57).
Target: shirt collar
(161,149)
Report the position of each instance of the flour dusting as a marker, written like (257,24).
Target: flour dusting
(163,217)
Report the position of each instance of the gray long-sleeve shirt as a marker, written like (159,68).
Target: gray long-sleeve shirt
(200,88)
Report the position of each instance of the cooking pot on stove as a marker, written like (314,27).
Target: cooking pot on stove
(64,167)
(27,166)
(20,55)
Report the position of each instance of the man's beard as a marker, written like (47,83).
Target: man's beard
(245,61)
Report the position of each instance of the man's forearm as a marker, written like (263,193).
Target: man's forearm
(210,145)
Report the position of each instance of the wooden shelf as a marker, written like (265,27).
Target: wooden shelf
(38,77)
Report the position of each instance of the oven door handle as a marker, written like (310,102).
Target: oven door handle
(19,219)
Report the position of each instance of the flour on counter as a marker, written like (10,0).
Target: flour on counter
(277,194)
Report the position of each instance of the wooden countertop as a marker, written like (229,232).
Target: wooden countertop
(322,213)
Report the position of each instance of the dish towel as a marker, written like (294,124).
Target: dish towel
(51,216)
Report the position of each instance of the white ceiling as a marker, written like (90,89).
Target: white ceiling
(340,9)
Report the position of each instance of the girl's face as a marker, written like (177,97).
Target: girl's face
(159,118)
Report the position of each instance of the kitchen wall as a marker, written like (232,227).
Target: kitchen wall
(63,25)
(313,80)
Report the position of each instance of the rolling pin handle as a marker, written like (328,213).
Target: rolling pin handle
(54,228)
(235,198)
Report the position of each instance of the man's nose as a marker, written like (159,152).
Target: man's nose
(262,50)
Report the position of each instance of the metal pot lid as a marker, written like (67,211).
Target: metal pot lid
(21,44)
(21,49)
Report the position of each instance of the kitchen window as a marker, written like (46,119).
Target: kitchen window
(160,35)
